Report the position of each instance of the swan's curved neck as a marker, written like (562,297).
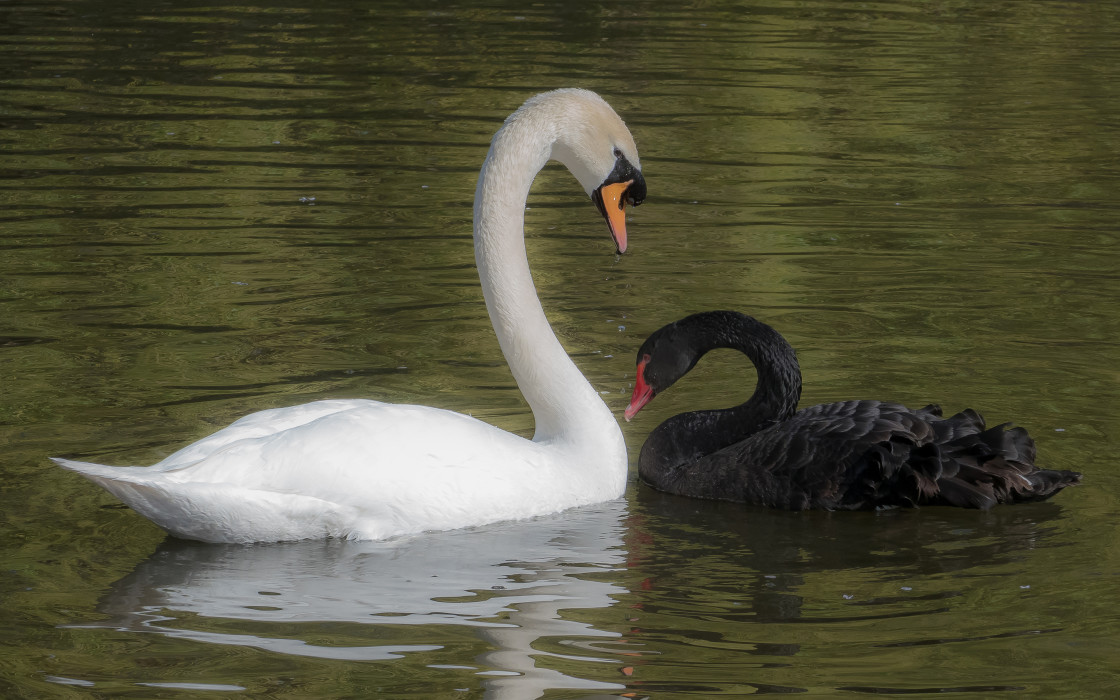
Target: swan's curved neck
(564,404)
(687,436)
(778,386)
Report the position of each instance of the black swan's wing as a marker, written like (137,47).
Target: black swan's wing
(872,454)
(845,455)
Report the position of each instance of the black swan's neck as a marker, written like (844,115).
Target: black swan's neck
(686,437)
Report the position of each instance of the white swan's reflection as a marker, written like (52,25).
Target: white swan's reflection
(508,580)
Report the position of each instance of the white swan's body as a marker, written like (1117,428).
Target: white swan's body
(368,470)
(357,469)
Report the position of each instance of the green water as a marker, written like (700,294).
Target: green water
(212,210)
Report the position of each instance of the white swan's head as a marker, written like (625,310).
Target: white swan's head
(592,141)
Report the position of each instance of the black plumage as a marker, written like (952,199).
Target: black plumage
(848,455)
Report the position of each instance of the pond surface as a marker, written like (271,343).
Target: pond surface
(213,210)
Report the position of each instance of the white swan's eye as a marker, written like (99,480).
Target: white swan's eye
(617,152)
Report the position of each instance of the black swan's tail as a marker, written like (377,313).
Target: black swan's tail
(966,465)
(996,466)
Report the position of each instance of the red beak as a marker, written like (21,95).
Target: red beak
(642,395)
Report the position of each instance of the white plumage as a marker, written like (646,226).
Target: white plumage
(363,469)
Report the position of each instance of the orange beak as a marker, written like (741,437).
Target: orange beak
(611,200)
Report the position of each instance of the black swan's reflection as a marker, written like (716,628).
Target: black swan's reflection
(741,584)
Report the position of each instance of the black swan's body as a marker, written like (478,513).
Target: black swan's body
(847,456)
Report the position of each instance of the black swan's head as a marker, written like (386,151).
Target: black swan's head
(673,350)
(666,356)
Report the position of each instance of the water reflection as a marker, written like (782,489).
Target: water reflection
(785,549)
(508,582)
(693,585)
(779,594)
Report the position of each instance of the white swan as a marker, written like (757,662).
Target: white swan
(362,469)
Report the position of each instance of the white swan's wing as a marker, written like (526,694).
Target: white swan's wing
(256,425)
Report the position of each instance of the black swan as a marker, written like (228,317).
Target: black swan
(851,455)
